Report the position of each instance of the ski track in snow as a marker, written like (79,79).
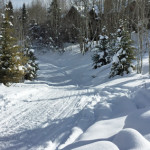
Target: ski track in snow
(52,112)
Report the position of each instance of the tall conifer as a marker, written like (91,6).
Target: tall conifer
(12,60)
(54,15)
(24,19)
(102,56)
(10,12)
(125,53)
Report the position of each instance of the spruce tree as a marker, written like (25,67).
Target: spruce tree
(96,59)
(125,53)
(31,66)
(101,57)
(12,60)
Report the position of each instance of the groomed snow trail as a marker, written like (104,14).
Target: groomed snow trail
(52,112)
(45,111)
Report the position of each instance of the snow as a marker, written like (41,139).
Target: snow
(21,68)
(31,50)
(123,59)
(17,57)
(10,23)
(109,127)
(15,46)
(3,16)
(118,30)
(95,9)
(130,69)
(119,52)
(101,37)
(103,145)
(75,133)
(72,106)
(115,59)
(130,139)
(139,119)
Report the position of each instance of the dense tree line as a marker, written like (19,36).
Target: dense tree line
(86,22)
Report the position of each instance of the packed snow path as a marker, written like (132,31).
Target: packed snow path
(68,98)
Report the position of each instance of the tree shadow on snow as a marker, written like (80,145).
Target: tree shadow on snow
(40,137)
(34,138)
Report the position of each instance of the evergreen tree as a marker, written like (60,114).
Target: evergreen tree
(101,57)
(113,41)
(11,58)
(54,15)
(24,19)
(54,12)
(125,53)
(31,66)
(96,59)
(10,11)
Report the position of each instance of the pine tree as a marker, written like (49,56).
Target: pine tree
(31,66)
(11,58)
(102,54)
(125,53)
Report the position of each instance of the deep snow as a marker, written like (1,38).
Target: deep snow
(72,106)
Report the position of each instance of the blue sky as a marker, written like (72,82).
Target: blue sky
(19,3)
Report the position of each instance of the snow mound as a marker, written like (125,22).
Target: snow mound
(114,107)
(103,129)
(76,132)
(142,97)
(103,145)
(130,139)
(139,120)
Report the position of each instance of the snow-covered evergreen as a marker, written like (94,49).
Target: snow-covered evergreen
(31,66)
(102,56)
(125,53)
(11,58)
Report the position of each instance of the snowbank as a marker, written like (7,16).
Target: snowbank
(130,139)
(76,132)
(103,145)
(139,120)
(103,129)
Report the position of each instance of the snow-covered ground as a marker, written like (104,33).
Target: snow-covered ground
(73,107)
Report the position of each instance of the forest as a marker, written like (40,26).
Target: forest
(105,26)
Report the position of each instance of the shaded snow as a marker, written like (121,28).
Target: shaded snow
(103,145)
(140,121)
(130,139)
